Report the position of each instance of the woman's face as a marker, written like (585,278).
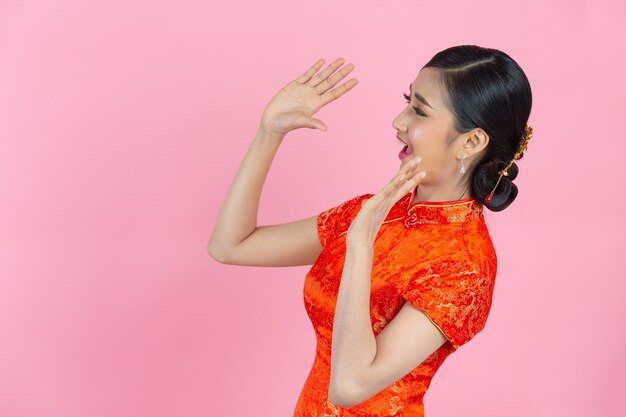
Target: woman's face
(427,128)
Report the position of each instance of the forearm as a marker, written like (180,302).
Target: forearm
(237,218)
(353,339)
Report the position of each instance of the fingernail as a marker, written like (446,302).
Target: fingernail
(423,174)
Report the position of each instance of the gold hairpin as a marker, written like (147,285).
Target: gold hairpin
(528,132)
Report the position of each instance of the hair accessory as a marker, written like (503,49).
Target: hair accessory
(462,171)
(528,132)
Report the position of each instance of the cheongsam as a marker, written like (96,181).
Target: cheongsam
(436,255)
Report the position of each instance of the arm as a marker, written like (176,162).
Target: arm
(363,364)
(236,238)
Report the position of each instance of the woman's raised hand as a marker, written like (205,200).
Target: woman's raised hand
(292,107)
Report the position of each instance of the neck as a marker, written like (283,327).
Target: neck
(431,193)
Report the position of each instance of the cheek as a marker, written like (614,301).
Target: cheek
(422,142)
(427,145)
(416,134)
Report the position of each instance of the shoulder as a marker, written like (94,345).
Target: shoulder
(452,248)
(336,219)
(479,245)
(344,210)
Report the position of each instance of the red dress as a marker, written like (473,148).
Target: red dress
(436,255)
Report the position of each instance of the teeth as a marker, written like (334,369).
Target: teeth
(400,142)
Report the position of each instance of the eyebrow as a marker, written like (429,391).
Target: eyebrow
(420,97)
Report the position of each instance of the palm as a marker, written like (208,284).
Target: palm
(295,104)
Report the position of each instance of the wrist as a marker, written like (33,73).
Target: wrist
(266,134)
(361,248)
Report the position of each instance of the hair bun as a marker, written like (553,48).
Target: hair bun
(485,179)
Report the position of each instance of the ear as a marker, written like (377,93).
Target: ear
(475,141)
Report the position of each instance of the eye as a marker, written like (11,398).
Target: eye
(417,110)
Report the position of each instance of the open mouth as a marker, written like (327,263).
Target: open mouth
(406,149)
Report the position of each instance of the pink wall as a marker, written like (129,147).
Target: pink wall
(122,124)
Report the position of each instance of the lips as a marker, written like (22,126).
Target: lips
(401,140)
(406,149)
(407,145)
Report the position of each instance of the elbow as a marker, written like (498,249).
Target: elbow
(343,394)
(217,254)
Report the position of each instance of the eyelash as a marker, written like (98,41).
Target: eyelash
(408,100)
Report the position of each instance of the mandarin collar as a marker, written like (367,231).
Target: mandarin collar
(437,212)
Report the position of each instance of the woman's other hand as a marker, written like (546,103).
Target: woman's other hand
(364,228)
(292,107)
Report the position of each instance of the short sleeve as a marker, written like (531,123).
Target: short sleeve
(455,296)
(332,221)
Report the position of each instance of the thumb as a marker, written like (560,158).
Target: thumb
(317,124)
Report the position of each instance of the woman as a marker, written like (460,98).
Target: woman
(422,238)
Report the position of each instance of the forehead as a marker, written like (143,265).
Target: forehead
(428,84)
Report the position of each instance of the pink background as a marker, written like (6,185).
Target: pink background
(122,124)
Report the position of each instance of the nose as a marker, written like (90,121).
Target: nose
(397,123)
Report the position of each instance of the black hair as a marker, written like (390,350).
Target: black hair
(485,88)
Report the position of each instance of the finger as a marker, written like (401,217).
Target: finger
(317,124)
(411,163)
(407,183)
(405,172)
(335,93)
(413,171)
(391,188)
(318,78)
(407,178)
(312,70)
(402,183)
(304,121)
(334,79)
(411,166)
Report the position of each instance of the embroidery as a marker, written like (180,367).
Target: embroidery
(437,256)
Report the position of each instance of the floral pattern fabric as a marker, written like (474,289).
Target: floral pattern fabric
(436,255)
